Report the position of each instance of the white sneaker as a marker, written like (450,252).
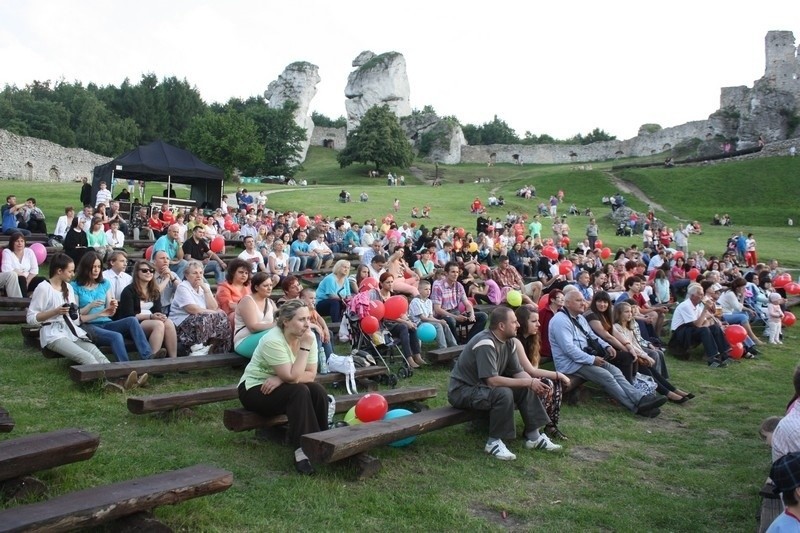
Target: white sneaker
(499,450)
(199,349)
(542,443)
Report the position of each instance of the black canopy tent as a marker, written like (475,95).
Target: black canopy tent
(162,162)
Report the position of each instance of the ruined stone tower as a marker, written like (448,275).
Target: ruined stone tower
(782,62)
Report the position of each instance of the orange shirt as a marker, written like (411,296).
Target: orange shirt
(228,294)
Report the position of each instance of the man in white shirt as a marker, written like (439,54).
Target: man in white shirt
(693,323)
(116,275)
(321,249)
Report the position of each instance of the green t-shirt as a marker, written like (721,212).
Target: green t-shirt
(272,350)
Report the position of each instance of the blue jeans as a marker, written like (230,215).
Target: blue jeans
(113,334)
(178,268)
(213,266)
(24,232)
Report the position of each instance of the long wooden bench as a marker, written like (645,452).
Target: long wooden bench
(242,420)
(10,302)
(102,504)
(442,355)
(6,422)
(25,455)
(340,443)
(87,373)
(13,316)
(176,400)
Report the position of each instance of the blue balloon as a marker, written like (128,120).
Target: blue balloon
(397,413)
(426,332)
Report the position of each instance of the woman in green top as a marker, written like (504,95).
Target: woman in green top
(96,237)
(280,378)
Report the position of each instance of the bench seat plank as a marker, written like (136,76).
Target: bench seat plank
(339,443)
(242,420)
(42,451)
(6,422)
(442,355)
(84,373)
(101,504)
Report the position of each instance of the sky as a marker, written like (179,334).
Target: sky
(559,68)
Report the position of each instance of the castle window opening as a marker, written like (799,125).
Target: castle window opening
(328,143)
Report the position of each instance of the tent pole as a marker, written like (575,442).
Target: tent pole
(169,190)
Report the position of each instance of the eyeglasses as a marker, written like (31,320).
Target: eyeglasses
(147,270)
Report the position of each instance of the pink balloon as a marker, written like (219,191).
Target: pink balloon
(40,252)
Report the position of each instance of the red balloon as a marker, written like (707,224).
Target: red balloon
(302,221)
(520,238)
(605,253)
(735,334)
(377,309)
(367,284)
(598,244)
(692,274)
(737,350)
(370,324)
(460,232)
(544,301)
(217,244)
(148,254)
(396,306)
(788,319)
(564,242)
(782,280)
(792,288)
(371,407)
(565,267)
(550,252)
(677,255)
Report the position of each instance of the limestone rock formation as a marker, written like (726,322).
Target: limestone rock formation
(436,139)
(297,83)
(376,80)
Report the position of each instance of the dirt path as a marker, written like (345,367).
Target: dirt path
(629,188)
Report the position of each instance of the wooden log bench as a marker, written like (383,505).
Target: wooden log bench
(103,504)
(10,302)
(139,405)
(41,451)
(336,444)
(443,355)
(13,316)
(87,373)
(6,422)
(242,420)
(30,337)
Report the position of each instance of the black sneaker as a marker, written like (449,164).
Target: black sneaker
(650,402)
(652,413)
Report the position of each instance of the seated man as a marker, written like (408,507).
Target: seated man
(196,247)
(170,244)
(448,296)
(509,279)
(694,323)
(577,350)
(487,377)
(34,217)
(10,211)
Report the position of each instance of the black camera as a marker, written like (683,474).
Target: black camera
(73,310)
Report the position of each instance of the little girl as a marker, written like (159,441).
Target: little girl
(775,314)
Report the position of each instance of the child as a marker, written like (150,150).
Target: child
(319,327)
(661,287)
(421,310)
(775,314)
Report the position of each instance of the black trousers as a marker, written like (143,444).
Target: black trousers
(304,404)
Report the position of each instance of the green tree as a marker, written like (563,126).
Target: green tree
(278,134)
(378,138)
(228,140)
(494,132)
(325,122)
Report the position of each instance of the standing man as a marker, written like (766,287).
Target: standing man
(196,247)
(448,293)
(575,350)
(86,192)
(487,377)
(10,211)
(170,243)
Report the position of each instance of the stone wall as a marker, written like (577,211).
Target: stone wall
(29,159)
(323,136)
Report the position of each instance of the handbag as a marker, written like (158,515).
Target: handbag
(644,383)
(344,365)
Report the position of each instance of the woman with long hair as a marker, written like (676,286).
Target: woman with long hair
(142,300)
(527,348)
(600,317)
(624,333)
(254,315)
(22,262)
(97,306)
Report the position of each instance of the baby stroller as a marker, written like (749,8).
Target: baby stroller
(380,344)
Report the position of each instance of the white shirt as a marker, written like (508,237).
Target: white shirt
(62,226)
(115,239)
(44,298)
(103,197)
(25,267)
(253,259)
(118,281)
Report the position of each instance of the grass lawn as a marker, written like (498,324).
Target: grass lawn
(697,467)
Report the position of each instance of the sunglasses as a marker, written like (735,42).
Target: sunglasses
(147,270)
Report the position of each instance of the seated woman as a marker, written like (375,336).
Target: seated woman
(97,306)
(291,287)
(424,266)
(22,262)
(235,287)
(600,317)
(679,278)
(320,329)
(398,268)
(96,237)
(734,311)
(403,329)
(527,349)
(142,300)
(201,325)
(362,272)
(624,333)
(333,291)
(279,379)
(254,315)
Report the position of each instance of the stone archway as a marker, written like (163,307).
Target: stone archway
(28,171)
(54,173)
(666,147)
(328,143)
(492,159)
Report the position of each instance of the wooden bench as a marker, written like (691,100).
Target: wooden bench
(6,422)
(13,316)
(242,420)
(25,455)
(30,337)
(86,373)
(98,505)
(333,445)
(442,355)
(9,302)
(139,405)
